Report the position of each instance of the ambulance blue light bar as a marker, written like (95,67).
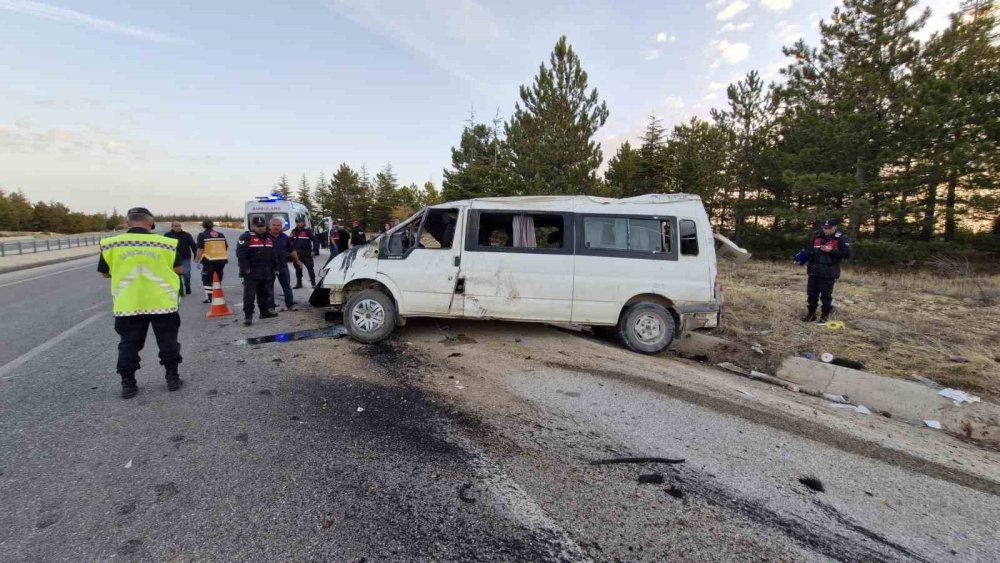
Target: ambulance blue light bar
(272,197)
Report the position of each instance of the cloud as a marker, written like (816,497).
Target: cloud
(786,32)
(674,102)
(650,54)
(661,37)
(737,26)
(732,10)
(776,5)
(716,86)
(29,138)
(730,53)
(54,13)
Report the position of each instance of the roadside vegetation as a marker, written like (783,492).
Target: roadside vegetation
(941,322)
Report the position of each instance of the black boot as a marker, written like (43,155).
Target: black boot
(824,316)
(129,387)
(298,285)
(248,321)
(268,314)
(810,316)
(187,290)
(174,381)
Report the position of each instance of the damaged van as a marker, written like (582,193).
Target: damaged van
(644,265)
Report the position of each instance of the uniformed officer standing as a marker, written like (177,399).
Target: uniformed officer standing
(283,249)
(825,251)
(212,256)
(358,236)
(143,269)
(306,246)
(255,254)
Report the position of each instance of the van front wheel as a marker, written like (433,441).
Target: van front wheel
(647,328)
(370,316)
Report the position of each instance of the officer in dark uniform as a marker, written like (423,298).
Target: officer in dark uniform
(255,254)
(211,256)
(825,250)
(306,246)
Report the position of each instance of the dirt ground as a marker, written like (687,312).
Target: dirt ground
(942,324)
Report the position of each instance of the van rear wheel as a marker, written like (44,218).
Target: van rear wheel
(647,327)
(370,316)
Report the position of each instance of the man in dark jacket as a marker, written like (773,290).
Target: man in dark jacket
(186,248)
(825,250)
(339,239)
(358,236)
(306,246)
(255,254)
(283,250)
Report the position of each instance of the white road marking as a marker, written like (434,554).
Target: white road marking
(45,276)
(31,354)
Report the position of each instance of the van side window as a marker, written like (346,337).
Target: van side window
(521,230)
(689,237)
(439,228)
(628,234)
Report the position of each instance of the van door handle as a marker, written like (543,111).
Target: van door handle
(458,261)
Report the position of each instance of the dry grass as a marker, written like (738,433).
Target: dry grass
(898,323)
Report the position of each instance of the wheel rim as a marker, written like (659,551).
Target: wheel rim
(368,315)
(648,328)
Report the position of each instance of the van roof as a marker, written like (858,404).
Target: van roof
(577,202)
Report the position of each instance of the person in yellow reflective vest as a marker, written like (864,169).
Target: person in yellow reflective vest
(143,269)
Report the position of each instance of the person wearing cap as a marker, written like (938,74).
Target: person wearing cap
(358,236)
(186,249)
(824,253)
(306,246)
(283,250)
(255,254)
(212,256)
(143,269)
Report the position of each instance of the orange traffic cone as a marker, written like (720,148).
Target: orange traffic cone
(219,307)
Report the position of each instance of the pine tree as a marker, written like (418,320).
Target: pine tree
(304,197)
(362,201)
(747,124)
(696,155)
(318,193)
(623,174)
(652,176)
(386,197)
(480,165)
(550,136)
(430,195)
(282,188)
(340,197)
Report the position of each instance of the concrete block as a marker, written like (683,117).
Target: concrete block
(896,396)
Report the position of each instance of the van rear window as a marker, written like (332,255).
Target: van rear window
(521,230)
(626,234)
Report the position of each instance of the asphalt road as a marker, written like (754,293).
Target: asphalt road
(328,450)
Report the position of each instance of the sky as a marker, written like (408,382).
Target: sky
(195,106)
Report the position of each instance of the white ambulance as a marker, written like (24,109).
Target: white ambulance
(645,265)
(271,206)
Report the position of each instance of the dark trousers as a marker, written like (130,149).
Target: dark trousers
(259,289)
(132,331)
(820,289)
(285,281)
(307,261)
(208,268)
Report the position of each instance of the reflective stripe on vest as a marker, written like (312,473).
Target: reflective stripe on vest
(143,281)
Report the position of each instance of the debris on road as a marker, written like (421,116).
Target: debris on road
(654,478)
(959,396)
(856,408)
(812,483)
(454,355)
(361,409)
(466,493)
(846,363)
(129,464)
(936,425)
(675,491)
(636,460)
(742,392)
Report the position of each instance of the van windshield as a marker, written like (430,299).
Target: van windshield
(267,216)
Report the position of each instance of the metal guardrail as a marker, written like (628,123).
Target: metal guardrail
(19,247)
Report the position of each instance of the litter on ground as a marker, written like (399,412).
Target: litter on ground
(958,396)
(933,424)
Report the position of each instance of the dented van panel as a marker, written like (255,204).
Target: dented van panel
(577,259)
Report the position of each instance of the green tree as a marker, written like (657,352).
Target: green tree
(697,154)
(622,177)
(282,188)
(480,165)
(339,197)
(430,195)
(385,197)
(550,136)
(747,123)
(304,197)
(850,94)
(652,176)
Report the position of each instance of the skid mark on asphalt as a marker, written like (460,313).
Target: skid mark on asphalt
(11,366)
(796,426)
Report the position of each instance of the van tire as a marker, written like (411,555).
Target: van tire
(647,328)
(370,316)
